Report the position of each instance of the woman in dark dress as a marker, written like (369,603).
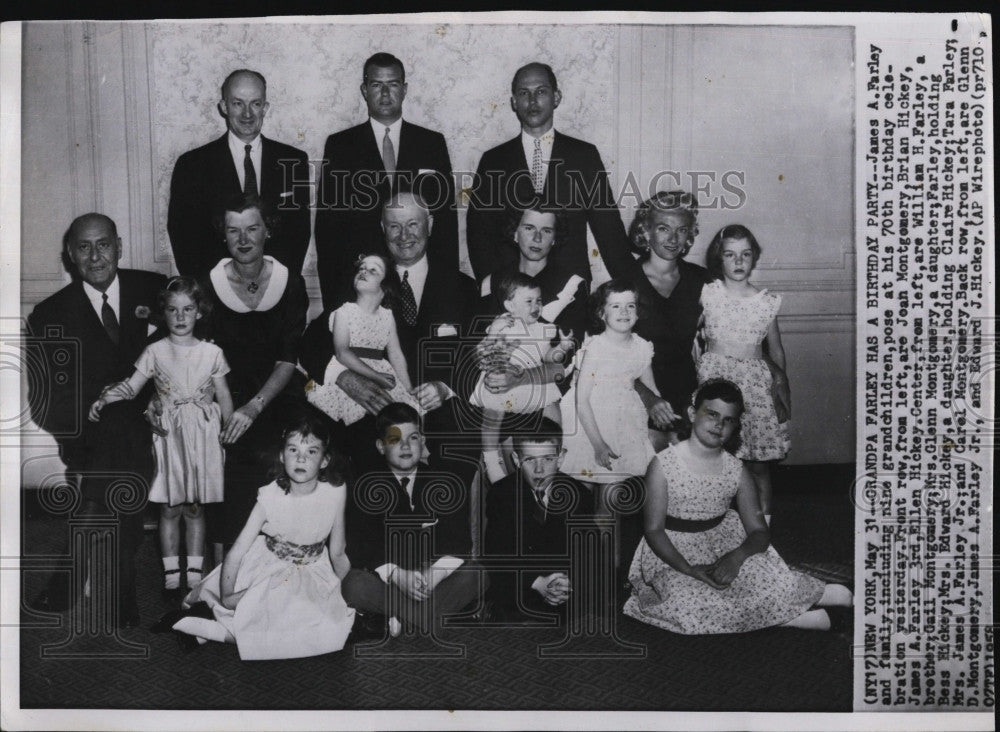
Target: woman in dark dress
(258,315)
(535,232)
(663,231)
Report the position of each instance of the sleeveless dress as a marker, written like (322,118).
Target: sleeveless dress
(744,321)
(764,594)
(292,606)
(523,398)
(367,331)
(619,411)
(189,458)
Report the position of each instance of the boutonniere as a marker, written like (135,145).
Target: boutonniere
(142,312)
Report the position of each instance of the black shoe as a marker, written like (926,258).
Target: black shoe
(167,622)
(175,596)
(369,627)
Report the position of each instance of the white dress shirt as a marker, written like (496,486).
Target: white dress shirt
(418,278)
(379,129)
(528,143)
(96,298)
(238,150)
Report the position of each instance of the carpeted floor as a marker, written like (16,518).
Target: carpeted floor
(481,667)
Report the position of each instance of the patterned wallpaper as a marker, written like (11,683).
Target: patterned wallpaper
(458,76)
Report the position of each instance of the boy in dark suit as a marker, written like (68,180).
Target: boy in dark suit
(408,534)
(526,529)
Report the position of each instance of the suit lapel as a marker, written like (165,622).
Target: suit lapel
(225,168)
(406,145)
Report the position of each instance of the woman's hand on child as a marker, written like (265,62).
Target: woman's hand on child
(364,391)
(411,583)
(662,414)
(430,395)
(238,423)
(154,410)
(604,455)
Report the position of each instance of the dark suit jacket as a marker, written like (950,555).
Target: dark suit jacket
(205,179)
(440,501)
(352,188)
(517,528)
(448,298)
(77,359)
(576,180)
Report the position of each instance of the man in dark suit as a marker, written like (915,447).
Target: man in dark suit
(432,315)
(526,531)
(363,166)
(411,577)
(544,164)
(244,161)
(104,313)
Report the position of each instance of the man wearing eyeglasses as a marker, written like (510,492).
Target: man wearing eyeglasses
(526,514)
(363,166)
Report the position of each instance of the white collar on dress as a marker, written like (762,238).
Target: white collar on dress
(272,293)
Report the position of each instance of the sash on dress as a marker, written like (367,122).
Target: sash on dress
(294,553)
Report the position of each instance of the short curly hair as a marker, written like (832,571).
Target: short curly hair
(515,215)
(599,299)
(678,201)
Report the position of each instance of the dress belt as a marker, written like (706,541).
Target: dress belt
(362,352)
(295,553)
(691,526)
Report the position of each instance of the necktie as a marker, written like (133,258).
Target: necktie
(408,301)
(109,319)
(537,169)
(388,153)
(403,482)
(249,175)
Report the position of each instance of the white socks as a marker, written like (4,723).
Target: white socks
(194,570)
(836,596)
(171,573)
(810,620)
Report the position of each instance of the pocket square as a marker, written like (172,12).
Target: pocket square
(426,171)
(444,331)
(286,194)
(428,524)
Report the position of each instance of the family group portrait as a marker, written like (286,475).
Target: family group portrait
(416,365)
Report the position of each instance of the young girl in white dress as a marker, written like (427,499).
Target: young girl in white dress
(190,379)
(703,567)
(277,594)
(738,318)
(365,341)
(603,418)
(522,299)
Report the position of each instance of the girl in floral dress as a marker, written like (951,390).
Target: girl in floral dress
(703,567)
(738,318)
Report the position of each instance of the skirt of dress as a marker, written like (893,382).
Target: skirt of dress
(764,594)
(762,437)
(287,610)
(335,402)
(621,418)
(189,457)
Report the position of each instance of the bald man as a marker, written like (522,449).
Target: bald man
(241,161)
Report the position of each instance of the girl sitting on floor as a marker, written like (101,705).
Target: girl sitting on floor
(703,567)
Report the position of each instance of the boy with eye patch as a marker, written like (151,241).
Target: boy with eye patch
(425,572)
(526,515)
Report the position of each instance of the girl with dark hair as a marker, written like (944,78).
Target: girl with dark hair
(190,379)
(703,567)
(739,319)
(277,594)
(603,417)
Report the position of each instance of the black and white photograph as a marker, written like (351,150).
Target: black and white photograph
(498,370)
